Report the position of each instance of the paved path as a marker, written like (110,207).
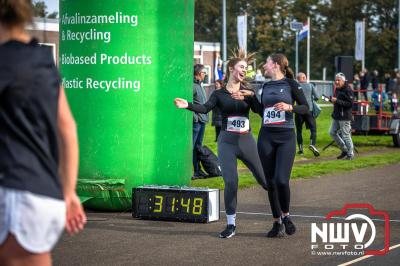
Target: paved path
(117,239)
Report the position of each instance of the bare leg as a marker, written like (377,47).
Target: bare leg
(12,254)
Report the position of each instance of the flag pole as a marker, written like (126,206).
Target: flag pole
(297,52)
(245,43)
(308,48)
(224,35)
(363,43)
(398,35)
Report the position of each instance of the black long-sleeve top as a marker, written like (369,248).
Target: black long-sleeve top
(228,106)
(283,90)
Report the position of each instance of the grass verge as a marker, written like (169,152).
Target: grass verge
(310,170)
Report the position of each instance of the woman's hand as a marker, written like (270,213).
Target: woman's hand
(247,93)
(76,218)
(283,107)
(181,103)
(237,95)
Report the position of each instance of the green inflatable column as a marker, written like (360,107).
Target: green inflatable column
(123,63)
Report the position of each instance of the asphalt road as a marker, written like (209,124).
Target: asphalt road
(118,239)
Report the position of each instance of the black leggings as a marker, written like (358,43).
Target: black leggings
(277,148)
(310,123)
(232,146)
(217,131)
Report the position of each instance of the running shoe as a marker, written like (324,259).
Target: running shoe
(290,229)
(199,175)
(342,155)
(300,152)
(228,232)
(349,157)
(278,230)
(314,150)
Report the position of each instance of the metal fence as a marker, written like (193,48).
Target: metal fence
(322,87)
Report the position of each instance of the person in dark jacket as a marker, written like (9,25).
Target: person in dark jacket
(341,125)
(375,80)
(365,79)
(390,82)
(199,120)
(356,86)
(216,120)
(390,87)
(311,95)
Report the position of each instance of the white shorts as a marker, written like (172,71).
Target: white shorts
(36,221)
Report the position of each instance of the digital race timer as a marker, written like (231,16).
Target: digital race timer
(176,203)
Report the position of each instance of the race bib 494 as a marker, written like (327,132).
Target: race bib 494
(272,116)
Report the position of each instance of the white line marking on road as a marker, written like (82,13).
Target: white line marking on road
(309,216)
(365,257)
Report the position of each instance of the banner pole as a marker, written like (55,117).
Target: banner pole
(308,48)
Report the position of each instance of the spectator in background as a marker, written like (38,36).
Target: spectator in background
(250,72)
(364,82)
(397,87)
(375,80)
(220,72)
(390,86)
(378,100)
(395,94)
(216,113)
(356,86)
(259,76)
(199,120)
(340,129)
(38,146)
(311,95)
(394,104)
(390,83)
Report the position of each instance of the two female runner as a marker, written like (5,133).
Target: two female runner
(235,140)
(277,138)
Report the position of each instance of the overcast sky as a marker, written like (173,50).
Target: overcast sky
(52,5)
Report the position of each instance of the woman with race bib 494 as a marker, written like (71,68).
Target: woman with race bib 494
(277,138)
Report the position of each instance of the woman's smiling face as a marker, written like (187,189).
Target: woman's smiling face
(238,72)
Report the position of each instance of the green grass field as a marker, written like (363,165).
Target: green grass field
(317,168)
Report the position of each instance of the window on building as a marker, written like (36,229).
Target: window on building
(197,59)
(207,79)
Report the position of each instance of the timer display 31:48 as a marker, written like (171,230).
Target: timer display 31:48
(173,204)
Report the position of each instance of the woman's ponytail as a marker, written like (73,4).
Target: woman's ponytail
(289,72)
(283,63)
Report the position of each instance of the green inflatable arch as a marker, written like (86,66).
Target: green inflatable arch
(123,63)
